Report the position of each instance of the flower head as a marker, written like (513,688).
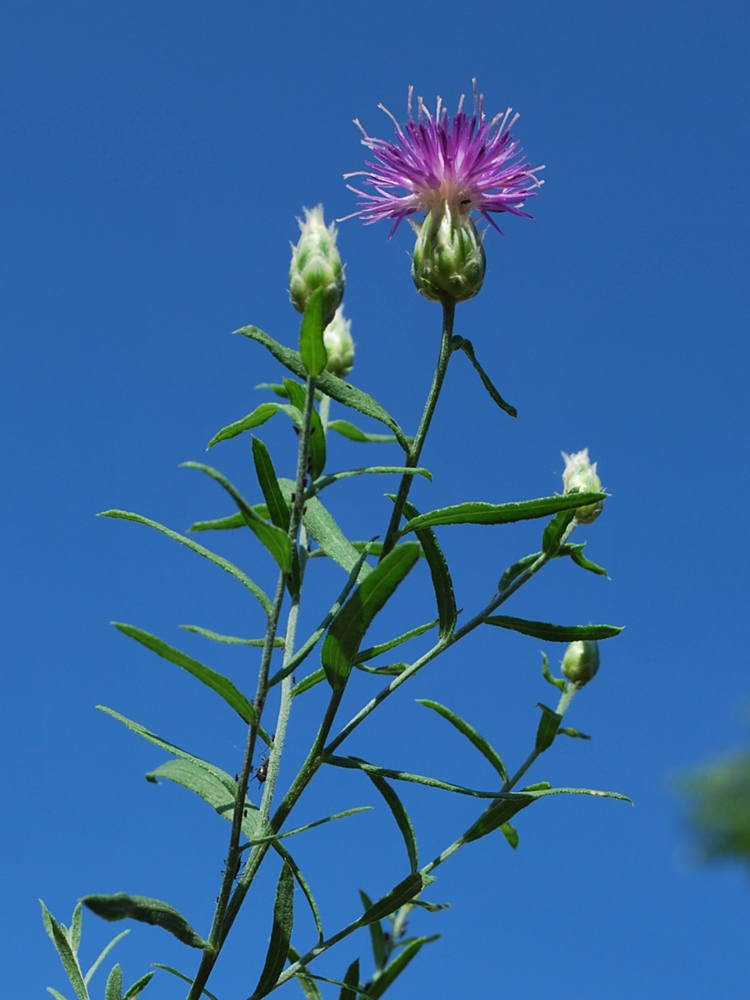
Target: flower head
(339,345)
(581,661)
(580,477)
(316,264)
(465,165)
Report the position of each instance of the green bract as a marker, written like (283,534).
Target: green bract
(448,262)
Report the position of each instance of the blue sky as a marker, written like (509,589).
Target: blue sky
(154,160)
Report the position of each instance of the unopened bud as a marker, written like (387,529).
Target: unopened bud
(580,477)
(339,345)
(448,262)
(581,661)
(316,265)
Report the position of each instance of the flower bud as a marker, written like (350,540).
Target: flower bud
(448,262)
(316,264)
(339,345)
(580,477)
(581,661)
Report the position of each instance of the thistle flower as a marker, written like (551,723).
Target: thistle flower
(580,477)
(467,165)
(339,345)
(316,264)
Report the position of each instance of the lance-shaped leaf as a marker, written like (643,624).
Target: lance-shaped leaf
(555,530)
(312,350)
(559,682)
(259,416)
(548,727)
(217,682)
(460,344)
(138,987)
(224,564)
(513,572)
(74,935)
(350,989)
(401,894)
(385,647)
(401,816)
(338,389)
(441,578)
(219,793)
(352,622)
(357,764)
(373,470)
(281,933)
(307,984)
(228,523)
(497,815)
(510,833)
(273,538)
(377,937)
(113,989)
(505,513)
(553,633)
(394,969)
(573,733)
(347,430)
(321,527)
(105,951)
(278,509)
(302,883)
(231,640)
(60,939)
(179,975)
(275,837)
(317,441)
(576,554)
(482,745)
(122,906)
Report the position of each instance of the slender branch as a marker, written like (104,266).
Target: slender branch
(412,458)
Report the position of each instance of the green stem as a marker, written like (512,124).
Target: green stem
(412,458)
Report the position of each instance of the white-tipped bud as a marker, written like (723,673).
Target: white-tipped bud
(581,661)
(316,265)
(448,262)
(338,342)
(580,477)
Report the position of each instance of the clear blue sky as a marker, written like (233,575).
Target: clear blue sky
(154,158)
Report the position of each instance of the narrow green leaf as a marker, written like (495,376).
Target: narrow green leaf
(513,572)
(273,538)
(224,564)
(401,816)
(401,894)
(347,430)
(278,508)
(357,764)
(341,391)
(55,994)
(373,470)
(497,815)
(75,929)
(567,731)
(394,969)
(275,837)
(505,513)
(311,681)
(377,938)
(547,731)
(371,548)
(559,682)
(441,578)
(281,933)
(307,984)
(540,786)
(259,416)
(386,647)
(113,989)
(219,793)
(392,670)
(179,975)
(225,523)
(317,442)
(459,343)
(350,989)
(312,350)
(510,833)
(348,629)
(122,906)
(482,745)
(138,987)
(553,633)
(231,640)
(576,554)
(69,961)
(322,528)
(302,883)
(217,682)
(105,951)
(555,530)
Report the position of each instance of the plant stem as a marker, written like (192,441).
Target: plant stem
(412,458)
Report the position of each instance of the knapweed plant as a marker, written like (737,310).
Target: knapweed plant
(449,171)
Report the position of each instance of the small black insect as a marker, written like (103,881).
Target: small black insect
(261,771)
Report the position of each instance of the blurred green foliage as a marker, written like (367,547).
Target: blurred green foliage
(719,809)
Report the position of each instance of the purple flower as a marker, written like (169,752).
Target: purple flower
(467,165)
